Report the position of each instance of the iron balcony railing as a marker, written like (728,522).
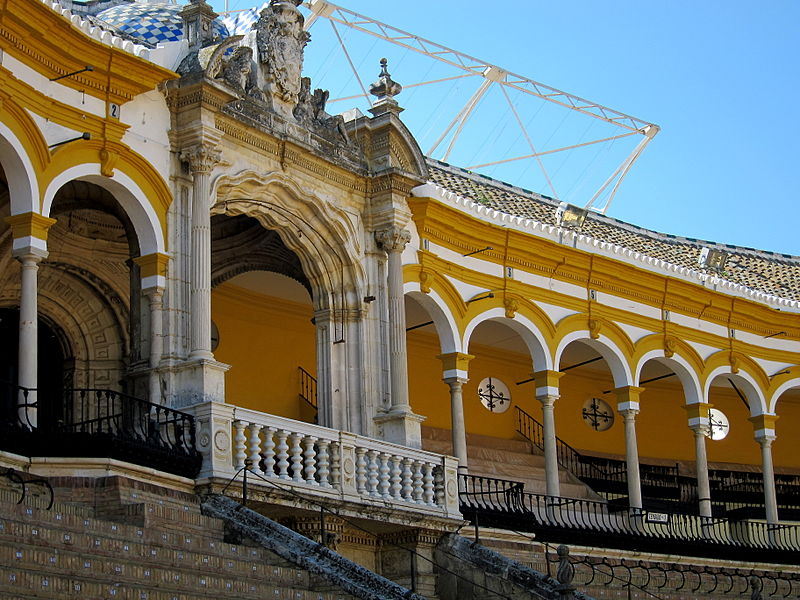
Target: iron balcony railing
(499,503)
(99,423)
(308,394)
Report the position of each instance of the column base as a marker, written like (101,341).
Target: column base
(399,425)
(197,381)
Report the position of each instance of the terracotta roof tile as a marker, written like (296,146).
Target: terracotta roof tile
(768,272)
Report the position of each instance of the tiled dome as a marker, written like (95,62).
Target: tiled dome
(151,22)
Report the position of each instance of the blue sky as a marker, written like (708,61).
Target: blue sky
(721,79)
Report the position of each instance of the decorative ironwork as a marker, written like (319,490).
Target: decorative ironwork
(598,414)
(99,423)
(494,395)
(24,480)
(308,393)
(500,503)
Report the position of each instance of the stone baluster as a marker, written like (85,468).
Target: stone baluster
(428,494)
(384,471)
(396,477)
(361,470)
(407,480)
(374,475)
(239,445)
(268,463)
(323,468)
(296,457)
(418,493)
(283,454)
(309,460)
(254,448)
(336,465)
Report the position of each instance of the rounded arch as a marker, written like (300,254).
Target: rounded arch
(19,171)
(321,234)
(131,198)
(443,321)
(443,287)
(745,381)
(683,369)
(780,384)
(522,325)
(605,347)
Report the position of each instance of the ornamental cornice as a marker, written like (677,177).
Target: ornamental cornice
(586,243)
(121,69)
(540,256)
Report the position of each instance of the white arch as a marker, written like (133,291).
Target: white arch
(613,356)
(23,187)
(746,382)
(784,387)
(689,379)
(527,330)
(129,195)
(437,308)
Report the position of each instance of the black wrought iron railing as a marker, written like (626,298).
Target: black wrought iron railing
(99,423)
(308,395)
(499,503)
(609,476)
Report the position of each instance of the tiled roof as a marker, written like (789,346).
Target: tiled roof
(759,270)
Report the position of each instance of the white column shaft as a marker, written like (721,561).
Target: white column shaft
(632,460)
(550,450)
(770,498)
(28,337)
(703,487)
(201,267)
(398,354)
(457,420)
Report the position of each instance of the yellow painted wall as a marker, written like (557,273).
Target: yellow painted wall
(264,339)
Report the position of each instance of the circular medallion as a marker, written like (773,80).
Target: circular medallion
(597,414)
(718,424)
(494,395)
(222,441)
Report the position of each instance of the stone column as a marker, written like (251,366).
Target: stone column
(455,375)
(547,393)
(153,270)
(399,423)
(201,378)
(698,423)
(201,158)
(764,429)
(628,407)
(30,248)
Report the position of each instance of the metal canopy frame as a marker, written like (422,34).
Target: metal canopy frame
(492,74)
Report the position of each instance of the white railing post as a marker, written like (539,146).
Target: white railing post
(213,421)
(450,476)
(347,465)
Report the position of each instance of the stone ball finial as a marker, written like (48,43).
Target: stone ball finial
(385,87)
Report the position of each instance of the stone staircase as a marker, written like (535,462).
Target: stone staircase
(514,459)
(151,551)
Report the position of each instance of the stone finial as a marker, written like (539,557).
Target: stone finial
(385,87)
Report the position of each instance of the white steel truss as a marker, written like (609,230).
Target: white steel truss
(471,66)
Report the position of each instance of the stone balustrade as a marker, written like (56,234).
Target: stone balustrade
(325,462)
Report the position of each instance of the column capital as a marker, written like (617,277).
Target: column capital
(698,415)
(29,231)
(628,398)
(393,239)
(202,157)
(547,382)
(455,365)
(153,270)
(764,427)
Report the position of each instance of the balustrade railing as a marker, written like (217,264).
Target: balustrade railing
(355,467)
